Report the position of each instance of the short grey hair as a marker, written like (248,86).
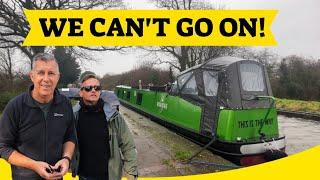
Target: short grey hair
(43,57)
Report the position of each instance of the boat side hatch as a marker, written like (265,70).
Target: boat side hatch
(207,81)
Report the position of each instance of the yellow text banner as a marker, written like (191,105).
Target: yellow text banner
(150,28)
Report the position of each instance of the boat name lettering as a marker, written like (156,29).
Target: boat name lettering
(254,123)
(162,105)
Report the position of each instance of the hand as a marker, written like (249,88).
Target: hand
(131,177)
(44,170)
(61,167)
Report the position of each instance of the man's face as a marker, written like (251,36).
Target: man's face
(45,76)
(92,96)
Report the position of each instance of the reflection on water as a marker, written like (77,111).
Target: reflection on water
(301,134)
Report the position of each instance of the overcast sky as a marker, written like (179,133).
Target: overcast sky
(296,29)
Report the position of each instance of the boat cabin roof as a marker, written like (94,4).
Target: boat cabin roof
(216,64)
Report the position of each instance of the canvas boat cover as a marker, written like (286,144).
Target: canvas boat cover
(223,83)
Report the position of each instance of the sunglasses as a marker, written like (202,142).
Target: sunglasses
(89,88)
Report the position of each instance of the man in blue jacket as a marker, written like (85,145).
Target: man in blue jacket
(37,131)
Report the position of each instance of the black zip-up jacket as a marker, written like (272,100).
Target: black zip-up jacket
(24,128)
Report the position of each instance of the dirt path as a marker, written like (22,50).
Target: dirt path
(161,152)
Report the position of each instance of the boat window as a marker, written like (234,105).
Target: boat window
(190,87)
(210,79)
(251,77)
(128,95)
(139,98)
(118,93)
(183,78)
(174,88)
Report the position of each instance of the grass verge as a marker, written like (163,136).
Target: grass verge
(298,105)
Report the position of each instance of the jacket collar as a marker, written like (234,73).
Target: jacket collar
(57,98)
(107,108)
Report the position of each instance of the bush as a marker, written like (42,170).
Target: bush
(5,97)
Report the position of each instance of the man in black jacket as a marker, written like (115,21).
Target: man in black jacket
(37,131)
(106,147)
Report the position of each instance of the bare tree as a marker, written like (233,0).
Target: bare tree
(14,26)
(6,66)
(144,71)
(183,57)
(185,4)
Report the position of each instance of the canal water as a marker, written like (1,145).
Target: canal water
(301,134)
